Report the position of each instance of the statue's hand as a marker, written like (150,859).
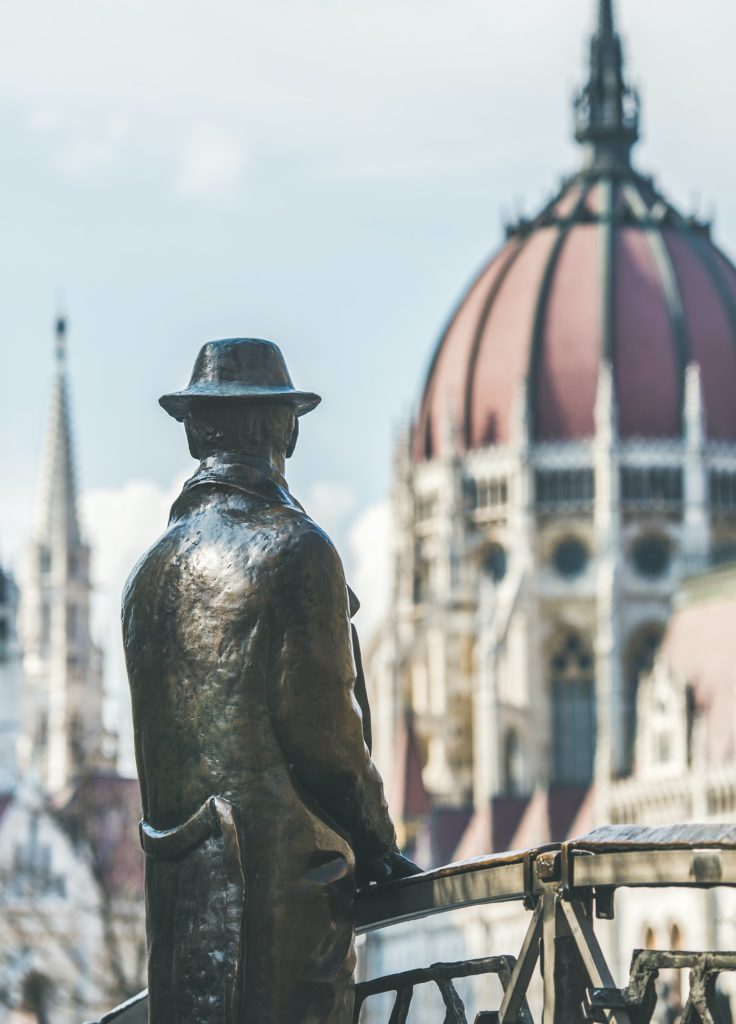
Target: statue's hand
(400,866)
(386,869)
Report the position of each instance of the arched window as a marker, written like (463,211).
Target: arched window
(513,764)
(639,660)
(572,680)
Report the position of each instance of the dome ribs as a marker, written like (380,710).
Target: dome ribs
(502,343)
(668,279)
(711,333)
(646,370)
(477,337)
(726,272)
(567,201)
(715,267)
(554,303)
(541,310)
(609,274)
(445,380)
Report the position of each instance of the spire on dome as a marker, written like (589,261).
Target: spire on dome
(56,511)
(607,108)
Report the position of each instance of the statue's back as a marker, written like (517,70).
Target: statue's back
(202,624)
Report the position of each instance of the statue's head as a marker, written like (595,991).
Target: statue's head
(240,398)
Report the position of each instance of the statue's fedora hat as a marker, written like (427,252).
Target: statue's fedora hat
(249,369)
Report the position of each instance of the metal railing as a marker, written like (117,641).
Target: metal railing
(564,888)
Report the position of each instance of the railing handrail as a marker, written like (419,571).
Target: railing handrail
(608,858)
(614,856)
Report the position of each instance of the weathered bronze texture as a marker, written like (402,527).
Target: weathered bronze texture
(261,801)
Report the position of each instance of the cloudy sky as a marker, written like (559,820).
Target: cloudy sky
(325,173)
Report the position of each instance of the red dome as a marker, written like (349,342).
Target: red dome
(608,271)
(647,289)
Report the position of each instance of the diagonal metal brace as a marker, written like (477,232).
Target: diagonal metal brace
(514,1008)
(581,929)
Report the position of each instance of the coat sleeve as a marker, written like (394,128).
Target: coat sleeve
(316,717)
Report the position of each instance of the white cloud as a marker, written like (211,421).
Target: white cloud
(370,547)
(212,165)
(80,156)
(80,147)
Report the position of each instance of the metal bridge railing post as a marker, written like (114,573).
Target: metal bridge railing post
(564,973)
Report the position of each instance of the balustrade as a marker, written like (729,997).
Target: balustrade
(564,888)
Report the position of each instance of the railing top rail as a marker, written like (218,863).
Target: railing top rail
(609,838)
(612,856)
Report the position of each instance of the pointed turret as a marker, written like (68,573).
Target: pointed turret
(607,108)
(62,734)
(697,513)
(56,511)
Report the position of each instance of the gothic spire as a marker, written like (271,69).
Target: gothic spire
(607,108)
(56,511)
(605,18)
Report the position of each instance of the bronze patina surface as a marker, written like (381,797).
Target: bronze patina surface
(261,802)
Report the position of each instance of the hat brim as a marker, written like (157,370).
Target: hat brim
(178,403)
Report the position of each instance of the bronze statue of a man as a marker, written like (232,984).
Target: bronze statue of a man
(260,798)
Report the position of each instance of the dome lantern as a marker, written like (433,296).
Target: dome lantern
(607,108)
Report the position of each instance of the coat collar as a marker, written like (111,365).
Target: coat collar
(237,466)
(235,471)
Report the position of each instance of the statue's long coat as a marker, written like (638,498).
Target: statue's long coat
(241,667)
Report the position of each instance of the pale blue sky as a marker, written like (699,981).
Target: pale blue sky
(324,173)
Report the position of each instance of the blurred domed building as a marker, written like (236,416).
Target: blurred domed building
(572,460)
(560,647)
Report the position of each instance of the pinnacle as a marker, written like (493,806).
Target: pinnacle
(607,109)
(56,513)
